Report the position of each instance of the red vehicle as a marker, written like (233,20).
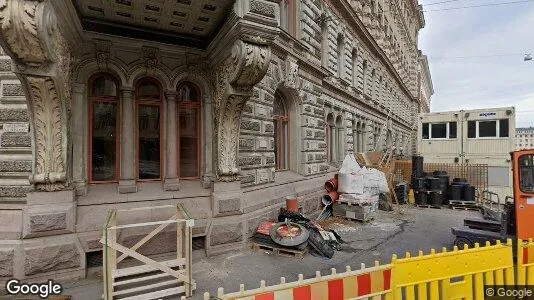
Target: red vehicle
(517,221)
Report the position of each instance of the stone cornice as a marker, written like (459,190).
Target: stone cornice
(350,16)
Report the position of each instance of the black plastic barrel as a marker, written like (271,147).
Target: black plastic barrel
(433,183)
(457,192)
(436,198)
(469,192)
(439,173)
(459,180)
(417,166)
(444,188)
(421,198)
(418,184)
(401,191)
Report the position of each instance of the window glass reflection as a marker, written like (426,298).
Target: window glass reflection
(188,129)
(104,86)
(149,142)
(104,141)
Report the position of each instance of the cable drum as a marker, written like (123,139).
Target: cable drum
(289,234)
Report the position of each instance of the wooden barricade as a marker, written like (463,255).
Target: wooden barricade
(152,279)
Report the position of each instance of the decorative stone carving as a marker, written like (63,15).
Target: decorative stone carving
(103,52)
(292,73)
(20,31)
(32,38)
(50,168)
(235,79)
(262,8)
(150,56)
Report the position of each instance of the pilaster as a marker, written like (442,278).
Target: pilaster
(171,182)
(127,182)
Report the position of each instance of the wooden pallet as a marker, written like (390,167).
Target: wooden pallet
(462,203)
(293,253)
(428,206)
(464,207)
(366,220)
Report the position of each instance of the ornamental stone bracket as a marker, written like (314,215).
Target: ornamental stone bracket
(30,34)
(235,80)
(240,56)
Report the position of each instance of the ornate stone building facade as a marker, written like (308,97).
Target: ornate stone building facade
(426,89)
(225,106)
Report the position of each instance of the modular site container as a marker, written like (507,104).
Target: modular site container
(479,136)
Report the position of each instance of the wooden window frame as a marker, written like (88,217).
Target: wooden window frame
(103,99)
(283,119)
(197,105)
(154,103)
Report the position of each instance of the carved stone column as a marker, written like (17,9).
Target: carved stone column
(171,182)
(79,127)
(41,42)
(127,182)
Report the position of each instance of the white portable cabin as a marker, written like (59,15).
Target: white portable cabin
(479,136)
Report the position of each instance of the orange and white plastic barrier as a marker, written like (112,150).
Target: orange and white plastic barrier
(360,284)
(457,274)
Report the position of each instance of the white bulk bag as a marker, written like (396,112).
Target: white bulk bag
(350,177)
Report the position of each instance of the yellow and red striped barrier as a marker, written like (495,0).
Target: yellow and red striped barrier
(360,284)
(457,274)
(525,262)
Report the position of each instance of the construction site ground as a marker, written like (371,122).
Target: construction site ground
(407,228)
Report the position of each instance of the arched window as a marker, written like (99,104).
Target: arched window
(104,128)
(354,67)
(330,137)
(372,85)
(340,56)
(188,105)
(340,141)
(356,132)
(149,100)
(324,42)
(364,78)
(281,132)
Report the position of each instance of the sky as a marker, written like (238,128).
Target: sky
(493,41)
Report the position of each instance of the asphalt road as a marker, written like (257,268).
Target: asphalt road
(406,229)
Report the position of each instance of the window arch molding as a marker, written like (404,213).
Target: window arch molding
(292,104)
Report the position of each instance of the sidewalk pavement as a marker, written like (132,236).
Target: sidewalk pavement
(407,229)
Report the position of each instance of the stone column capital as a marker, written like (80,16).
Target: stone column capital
(126,89)
(171,95)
